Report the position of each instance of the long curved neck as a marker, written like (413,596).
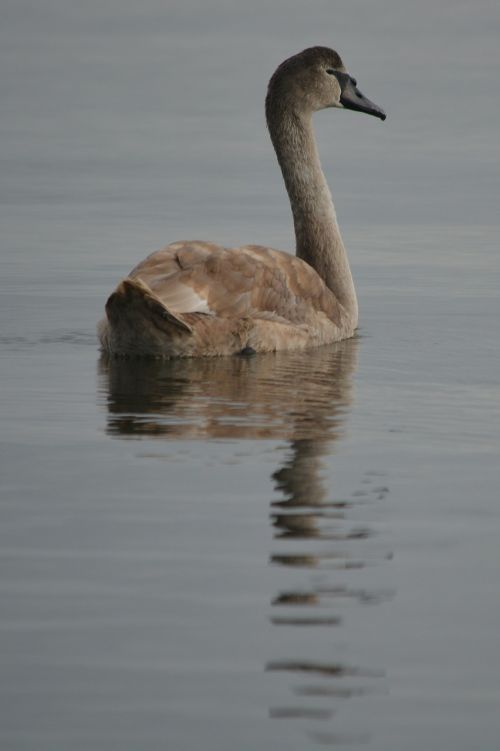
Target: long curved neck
(317,234)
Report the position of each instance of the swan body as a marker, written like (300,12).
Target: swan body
(195,298)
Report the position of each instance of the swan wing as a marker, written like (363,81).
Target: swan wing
(253,281)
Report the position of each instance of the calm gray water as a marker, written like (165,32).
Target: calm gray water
(284,552)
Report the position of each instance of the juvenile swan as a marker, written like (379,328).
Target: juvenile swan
(198,299)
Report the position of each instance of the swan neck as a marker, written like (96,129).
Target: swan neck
(317,233)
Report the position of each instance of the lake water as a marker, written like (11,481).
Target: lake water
(290,551)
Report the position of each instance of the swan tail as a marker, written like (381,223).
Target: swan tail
(138,323)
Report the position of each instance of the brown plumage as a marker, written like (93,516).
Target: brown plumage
(199,299)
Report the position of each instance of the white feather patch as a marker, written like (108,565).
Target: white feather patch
(183,299)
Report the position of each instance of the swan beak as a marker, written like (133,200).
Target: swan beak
(352,98)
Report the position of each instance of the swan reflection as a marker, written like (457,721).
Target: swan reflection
(299,397)
(304,400)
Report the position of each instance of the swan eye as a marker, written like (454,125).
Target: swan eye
(331,71)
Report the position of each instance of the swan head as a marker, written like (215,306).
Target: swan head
(315,79)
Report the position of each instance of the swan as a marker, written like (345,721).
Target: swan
(195,298)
